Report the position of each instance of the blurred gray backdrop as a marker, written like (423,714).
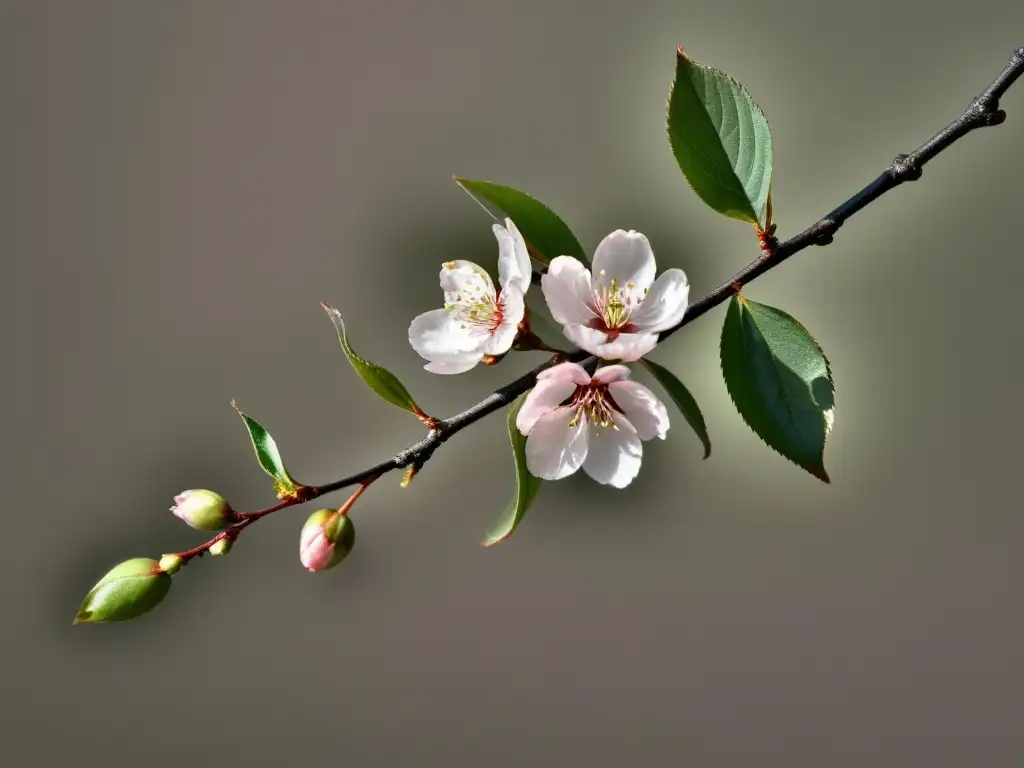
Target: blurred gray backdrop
(183,182)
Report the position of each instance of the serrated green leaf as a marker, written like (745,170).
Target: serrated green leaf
(376,377)
(546,235)
(268,455)
(684,401)
(720,139)
(527,485)
(780,381)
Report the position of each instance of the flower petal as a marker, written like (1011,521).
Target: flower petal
(628,347)
(606,374)
(459,365)
(665,305)
(614,453)
(573,372)
(436,335)
(567,291)
(465,281)
(627,258)
(545,397)
(513,258)
(642,407)
(554,449)
(512,306)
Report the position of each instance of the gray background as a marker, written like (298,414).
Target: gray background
(183,182)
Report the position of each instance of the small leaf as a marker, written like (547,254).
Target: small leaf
(684,401)
(526,484)
(379,379)
(780,381)
(268,455)
(546,235)
(720,139)
(125,592)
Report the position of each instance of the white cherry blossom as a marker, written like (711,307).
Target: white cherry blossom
(573,420)
(618,312)
(476,321)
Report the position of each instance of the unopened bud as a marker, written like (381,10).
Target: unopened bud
(125,592)
(204,510)
(326,538)
(171,564)
(221,546)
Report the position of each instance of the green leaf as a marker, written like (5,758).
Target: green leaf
(779,380)
(379,379)
(683,399)
(526,484)
(127,591)
(268,455)
(546,235)
(721,140)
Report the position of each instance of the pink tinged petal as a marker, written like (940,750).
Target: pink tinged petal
(436,335)
(627,258)
(665,305)
(513,258)
(642,407)
(554,449)
(315,550)
(614,455)
(573,372)
(628,347)
(465,281)
(567,291)
(608,373)
(546,396)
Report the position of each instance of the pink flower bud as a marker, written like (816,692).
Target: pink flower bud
(204,510)
(326,538)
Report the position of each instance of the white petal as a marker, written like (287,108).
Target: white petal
(573,372)
(547,395)
(435,335)
(642,407)
(628,347)
(567,291)
(513,257)
(608,373)
(614,455)
(627,258)
(665,305)
(461,365)
(554,449)
(465,281)
(513,308)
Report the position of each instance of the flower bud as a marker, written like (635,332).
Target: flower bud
(125,592)
(326,538)
(221,546)
(171,564)
(204,510)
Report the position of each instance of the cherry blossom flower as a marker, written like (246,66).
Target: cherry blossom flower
(618,313)
(572,420)
(476,321)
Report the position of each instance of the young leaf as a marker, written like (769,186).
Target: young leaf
(779,380)
(379,379)
(720,139)
(683,399)
(546,235)
(526,484)
(268,455)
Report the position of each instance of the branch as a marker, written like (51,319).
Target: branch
(983,111)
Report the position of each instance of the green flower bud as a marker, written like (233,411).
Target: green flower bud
(171,564)
(204,510)
(221,546)
(326,538)
(125,592)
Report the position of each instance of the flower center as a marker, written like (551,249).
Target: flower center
(595,404)
(481,311)
(613,304)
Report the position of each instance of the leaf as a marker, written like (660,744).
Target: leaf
(379,379)
(684,401)
(125,592)
(780,381)
(268,455)
(526,484)
(720,139)
(546,235)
